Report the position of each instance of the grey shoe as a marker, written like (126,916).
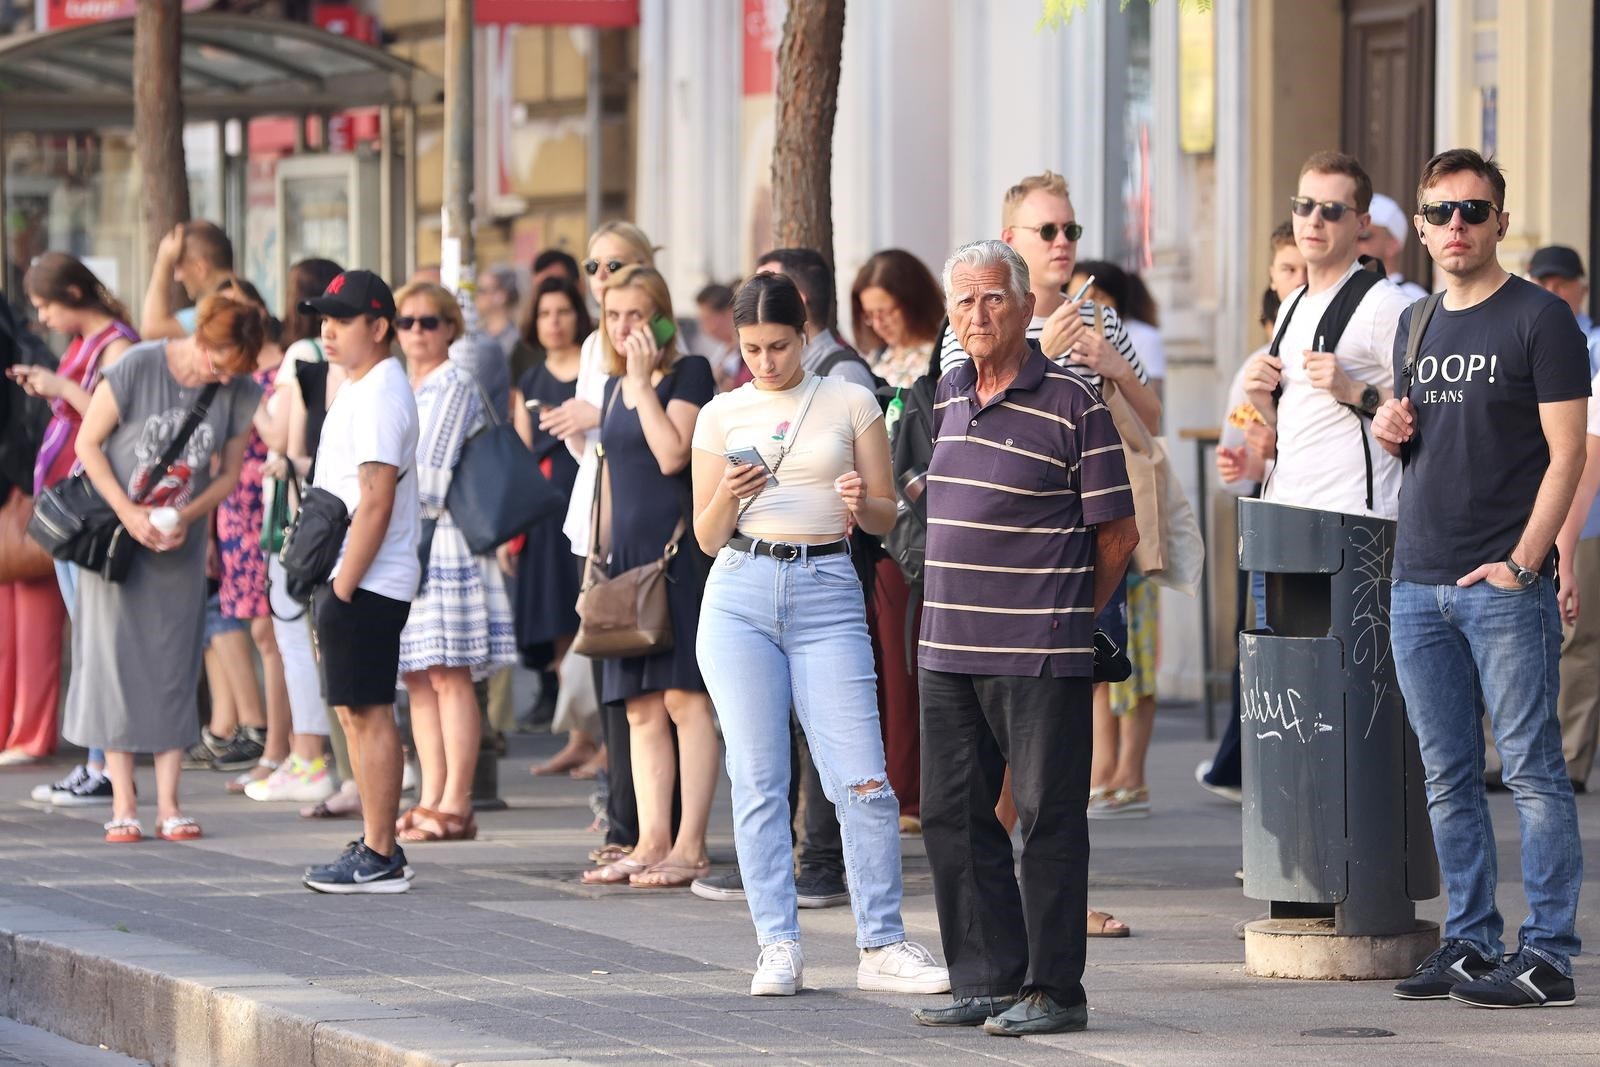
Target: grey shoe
(1037,1013)
(722,887)
(968,1011)
(820,889)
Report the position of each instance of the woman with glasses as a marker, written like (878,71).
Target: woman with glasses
(613,247)
(136,644)
(783,467)
(460,628)
(897,308)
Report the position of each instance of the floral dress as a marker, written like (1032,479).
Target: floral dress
(244,567)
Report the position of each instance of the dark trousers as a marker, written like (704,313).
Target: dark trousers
(999,940)
(622,803)
(821,847)
(1226,765)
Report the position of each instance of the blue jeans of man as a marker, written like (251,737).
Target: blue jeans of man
(1457,652)
(777,634)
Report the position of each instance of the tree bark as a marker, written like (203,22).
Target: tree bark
(158,118)
(802,149)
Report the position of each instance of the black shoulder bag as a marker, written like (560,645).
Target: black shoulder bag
(75,524)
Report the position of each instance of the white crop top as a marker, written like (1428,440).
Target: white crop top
(803,502)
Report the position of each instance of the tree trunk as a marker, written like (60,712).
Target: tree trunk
(158,118)
(802,149)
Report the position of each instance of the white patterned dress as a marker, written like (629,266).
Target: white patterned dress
(462,617)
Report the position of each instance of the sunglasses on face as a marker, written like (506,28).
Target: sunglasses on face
(1473,212)
(592,266)
(1048,232)
(1332,210)
(425,323)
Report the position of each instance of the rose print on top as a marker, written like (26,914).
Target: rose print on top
(174,489)
(782,431)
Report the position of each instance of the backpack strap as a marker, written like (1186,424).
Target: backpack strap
(1421,312)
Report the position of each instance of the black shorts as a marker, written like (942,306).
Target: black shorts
(360,646)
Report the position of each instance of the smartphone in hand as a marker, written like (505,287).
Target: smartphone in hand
(752,457)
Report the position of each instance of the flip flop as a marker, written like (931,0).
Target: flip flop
(1098,925)
(614,873)
(178,828)
(124,832)
(609,854)
(677,875)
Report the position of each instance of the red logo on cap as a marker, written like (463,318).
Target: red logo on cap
(336,285)
(377,305)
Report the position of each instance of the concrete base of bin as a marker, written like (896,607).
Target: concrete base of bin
(1308,948)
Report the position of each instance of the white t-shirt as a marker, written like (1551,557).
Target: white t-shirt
(1148,344)
(1320,459)
(1594,407)
(591,386)
(823,446)
(374,420)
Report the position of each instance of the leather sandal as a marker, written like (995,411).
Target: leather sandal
(1099,925)
(609,854)
(450,827)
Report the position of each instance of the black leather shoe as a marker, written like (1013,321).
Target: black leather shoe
(968,1011)
(1036,1013)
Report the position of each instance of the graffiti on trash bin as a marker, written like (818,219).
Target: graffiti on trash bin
(1277,714)
(1369,619)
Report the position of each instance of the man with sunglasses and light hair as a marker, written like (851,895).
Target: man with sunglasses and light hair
(1489,423)
(1327,369)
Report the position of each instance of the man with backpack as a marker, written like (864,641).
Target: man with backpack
(1327,369)
(825,354)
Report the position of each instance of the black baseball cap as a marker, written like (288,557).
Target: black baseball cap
(355,292)
(1557,260)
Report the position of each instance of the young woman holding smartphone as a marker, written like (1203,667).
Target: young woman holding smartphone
(784,624)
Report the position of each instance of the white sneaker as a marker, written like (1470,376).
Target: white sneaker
(296,780)
(904,967)
(780,970)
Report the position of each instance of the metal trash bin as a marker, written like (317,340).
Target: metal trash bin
(1335,819)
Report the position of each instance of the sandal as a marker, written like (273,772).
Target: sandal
(407,819)
(450,827)
(615,873)
(1121,804)
(345,804)
(670,875)
(124,832)
(178,828)
(1100,925)
(609,854)
(263,769)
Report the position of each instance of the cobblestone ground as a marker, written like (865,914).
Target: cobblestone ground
(498,937)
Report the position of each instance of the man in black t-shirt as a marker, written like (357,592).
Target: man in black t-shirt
(1489,423)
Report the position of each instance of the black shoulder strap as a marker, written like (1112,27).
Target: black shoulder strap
(186,431)
(833,359)
(1331,327)
(1421,312)
(1283,327)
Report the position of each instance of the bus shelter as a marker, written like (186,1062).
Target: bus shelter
(69,180)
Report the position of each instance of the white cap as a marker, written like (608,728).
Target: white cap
(1387,213)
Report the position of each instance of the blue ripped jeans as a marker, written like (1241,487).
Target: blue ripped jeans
(778,633)
(1457,652)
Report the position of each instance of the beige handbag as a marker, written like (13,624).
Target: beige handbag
(627,615)
(1170,552)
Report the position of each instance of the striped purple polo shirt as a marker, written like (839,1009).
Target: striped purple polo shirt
(1015,489)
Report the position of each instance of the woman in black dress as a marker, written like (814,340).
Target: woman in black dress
(646,429)
(545,594)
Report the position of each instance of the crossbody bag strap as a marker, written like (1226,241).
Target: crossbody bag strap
(788,438)
(595,512)
(190,422)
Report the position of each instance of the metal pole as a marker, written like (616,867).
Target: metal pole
(458,273)
(386,177)
(592,120)
(408,195)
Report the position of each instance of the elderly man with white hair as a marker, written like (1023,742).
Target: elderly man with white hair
(1030,527)
(1385,239)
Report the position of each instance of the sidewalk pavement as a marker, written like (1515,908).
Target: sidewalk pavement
(212,952)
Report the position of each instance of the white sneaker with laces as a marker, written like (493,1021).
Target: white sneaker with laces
(904,967)
(780,970)
(297,780)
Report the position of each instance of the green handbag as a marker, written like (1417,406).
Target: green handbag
(275,519)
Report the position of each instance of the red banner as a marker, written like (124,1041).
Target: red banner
(606,14)
(763,32)
(58,14)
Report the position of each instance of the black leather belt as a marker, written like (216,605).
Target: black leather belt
(785,551)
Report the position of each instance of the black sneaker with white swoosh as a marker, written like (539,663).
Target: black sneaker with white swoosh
(361,870)
(1525,980)
(1451,964)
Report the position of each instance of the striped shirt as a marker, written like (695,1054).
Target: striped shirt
(952,355)
(1015,489)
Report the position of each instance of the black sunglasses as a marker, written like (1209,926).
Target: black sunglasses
(1049,230)
(592,266)
(1473,212)
(1332,210)
(428,323)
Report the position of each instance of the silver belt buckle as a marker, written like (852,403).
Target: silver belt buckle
(785,552)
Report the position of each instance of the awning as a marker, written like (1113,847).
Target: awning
(234,67)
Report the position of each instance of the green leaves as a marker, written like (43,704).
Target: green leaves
(1054,14)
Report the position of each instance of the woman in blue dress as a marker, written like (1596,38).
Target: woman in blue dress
(647,425)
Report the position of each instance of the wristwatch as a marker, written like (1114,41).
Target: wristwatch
(1370,399)
(1523,575)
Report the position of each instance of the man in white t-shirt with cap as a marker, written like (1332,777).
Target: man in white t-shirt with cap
(1384,238)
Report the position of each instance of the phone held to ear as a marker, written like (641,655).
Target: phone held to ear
(663,330)
(751,457)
